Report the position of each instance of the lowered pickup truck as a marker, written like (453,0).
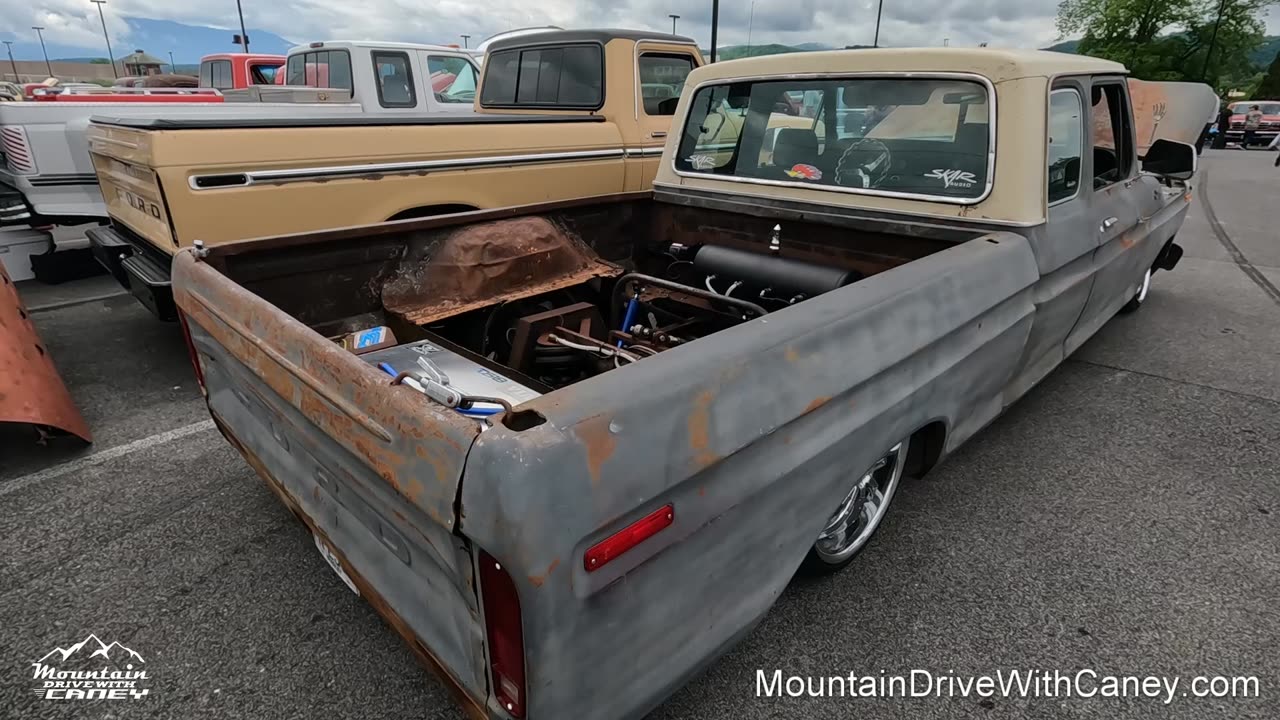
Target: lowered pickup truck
(573,452)
(561,114)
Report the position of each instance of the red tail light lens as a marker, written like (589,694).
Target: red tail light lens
(630,536)
(191,349)
(505,634)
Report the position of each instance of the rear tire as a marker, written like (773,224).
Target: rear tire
(859,515)
(1136,301)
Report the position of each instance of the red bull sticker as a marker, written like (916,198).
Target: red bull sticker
(805,172)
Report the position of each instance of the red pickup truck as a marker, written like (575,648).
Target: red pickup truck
(1267,129)
(233,71)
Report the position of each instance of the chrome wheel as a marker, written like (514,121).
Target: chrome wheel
(858,516)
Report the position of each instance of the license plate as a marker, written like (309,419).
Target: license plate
(331,558)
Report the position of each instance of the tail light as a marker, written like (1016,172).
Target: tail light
(505,633)
(628,537)
(191,349)
(17,152)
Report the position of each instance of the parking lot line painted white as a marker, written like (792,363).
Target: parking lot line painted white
(76,301)
(88,461)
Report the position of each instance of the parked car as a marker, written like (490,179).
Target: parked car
(574,451)
(1266,132)
(585,128)
(49,177)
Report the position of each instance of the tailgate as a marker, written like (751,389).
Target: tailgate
(123,160)
(372,469)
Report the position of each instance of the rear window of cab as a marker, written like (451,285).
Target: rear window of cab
(570,76)
(918,137)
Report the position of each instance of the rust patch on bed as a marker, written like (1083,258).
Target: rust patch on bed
(817,403)
(700,429)
(538,580)
(600,443)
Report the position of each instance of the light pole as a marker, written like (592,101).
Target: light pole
(674,18)
(244,36)
(879,12)
(465,38)
(1213,40)
(715,26)
(43,50)
(751,21)
(173,69)
(8,44)
(111,59)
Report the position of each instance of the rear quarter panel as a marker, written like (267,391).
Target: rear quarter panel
(754,435)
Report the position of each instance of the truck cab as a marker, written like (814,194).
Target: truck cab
(230,71)
(385,78)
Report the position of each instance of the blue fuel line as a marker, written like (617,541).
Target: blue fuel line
(630,316)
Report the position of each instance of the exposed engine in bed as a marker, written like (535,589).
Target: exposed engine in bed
(608,316)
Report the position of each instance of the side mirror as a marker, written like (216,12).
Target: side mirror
(1170,159)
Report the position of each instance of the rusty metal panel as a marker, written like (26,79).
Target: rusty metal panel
(31,391)
(753,435)
(484,264)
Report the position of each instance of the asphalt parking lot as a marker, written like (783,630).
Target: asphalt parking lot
(1123,517)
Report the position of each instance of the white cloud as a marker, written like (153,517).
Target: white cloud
(1017,23)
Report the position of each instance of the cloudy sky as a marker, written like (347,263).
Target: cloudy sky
(1020,23)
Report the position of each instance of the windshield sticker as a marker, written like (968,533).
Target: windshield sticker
(805,172)
(953,178)
(701,162)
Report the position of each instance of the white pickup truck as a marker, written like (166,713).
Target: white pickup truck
(47,178)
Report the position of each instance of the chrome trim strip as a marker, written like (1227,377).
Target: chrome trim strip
(400,168)
(644,151)
(678,189)
(55,180)
(991,133)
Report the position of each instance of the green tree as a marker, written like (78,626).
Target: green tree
(99,61)
(1170,39)
(1269,88)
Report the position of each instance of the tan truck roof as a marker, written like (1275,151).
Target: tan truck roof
(1020,77)
(995,65)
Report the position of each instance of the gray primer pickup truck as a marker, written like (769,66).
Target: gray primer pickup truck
(573,452)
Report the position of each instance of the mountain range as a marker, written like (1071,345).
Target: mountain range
(1261,55)
(188,43)
(100,649)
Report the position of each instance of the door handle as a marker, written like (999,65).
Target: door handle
(1109,223)
(658,134)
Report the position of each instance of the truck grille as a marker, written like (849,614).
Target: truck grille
(17,153)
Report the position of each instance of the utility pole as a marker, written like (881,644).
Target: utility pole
(751,21)
(244,36)
(173,69)
(8,44)
(715,26)
(674,18)
(1213,39)
(465,38)
(43,50)
(110,58)
(879,11)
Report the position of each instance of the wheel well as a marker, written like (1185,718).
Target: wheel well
(432,210)
(926,448)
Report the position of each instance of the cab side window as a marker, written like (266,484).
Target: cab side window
(395,80)
(1112,134)
(1066,144)
(662,80)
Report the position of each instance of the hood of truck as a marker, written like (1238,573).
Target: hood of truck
(31,391)
(1175,111)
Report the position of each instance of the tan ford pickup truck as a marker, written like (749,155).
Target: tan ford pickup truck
(560,114)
